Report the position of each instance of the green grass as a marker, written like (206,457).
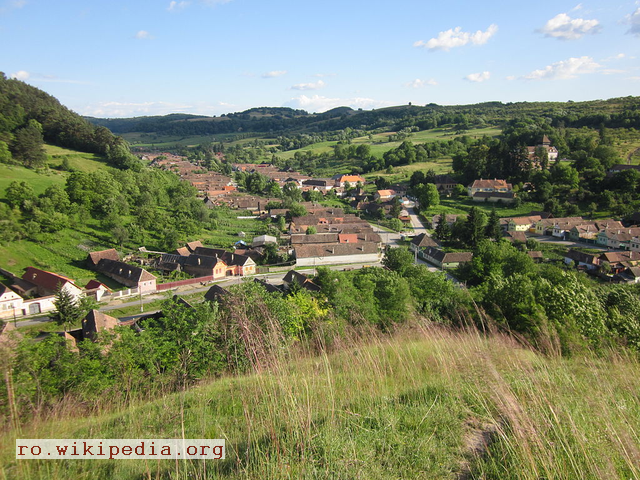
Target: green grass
(84,162)
(152,140)
(413,406)
(39,181)
(63,253)
(462,205)
(380,142)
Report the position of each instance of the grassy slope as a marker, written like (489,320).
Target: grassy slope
(84,162)
(380,144)
(409,407)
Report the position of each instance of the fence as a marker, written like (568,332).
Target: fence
(122,293)
(189,281)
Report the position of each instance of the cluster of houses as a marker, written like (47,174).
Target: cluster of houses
(338,238)
(606,233)
(614,266)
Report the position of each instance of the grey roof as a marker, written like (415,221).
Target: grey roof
(335,249)
(424,240)
(215,293)
(124,270)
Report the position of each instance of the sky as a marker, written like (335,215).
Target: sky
(152,57)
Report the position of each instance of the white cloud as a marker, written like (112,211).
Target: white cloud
(457,38)
(20,75)
(511,78)
(418,83)
(577,7)
(633,19)
(317,103)
(309,86)
(175,6)
(478,77)
(274,74)
(565,69)
(143,35)
(563,27)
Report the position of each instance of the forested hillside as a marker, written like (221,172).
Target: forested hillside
(29,117)
(613,113)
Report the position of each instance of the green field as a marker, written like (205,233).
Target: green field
(64,252)
(430,404)
(39,181)
(380,144)
(461,206)
(152,140)
(84,162)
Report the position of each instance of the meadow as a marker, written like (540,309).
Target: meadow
(425,403)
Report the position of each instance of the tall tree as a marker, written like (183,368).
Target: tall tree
(443,230)
(28,145)
(493,228)
(67,311)
(474,227)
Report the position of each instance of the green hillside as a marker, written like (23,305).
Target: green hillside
(425,404)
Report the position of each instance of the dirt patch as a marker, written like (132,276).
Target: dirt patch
(477,440)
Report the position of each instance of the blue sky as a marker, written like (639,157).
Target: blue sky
(147,57)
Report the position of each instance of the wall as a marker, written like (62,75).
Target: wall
(338,259)
(189,281)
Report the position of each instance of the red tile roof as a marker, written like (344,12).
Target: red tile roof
(44,279)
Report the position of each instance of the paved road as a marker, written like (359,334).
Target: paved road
(273,278)
(416,223)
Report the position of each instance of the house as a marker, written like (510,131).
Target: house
(215,293)
(445,260)
(320,184)
(236,264)
(544,145)
(546,226)
(10,302)
(205,266)
(536,256)
(422,241)
(191,246)
(128,275)
(619,261)
(445,183)
(263,240)
(449,218)
(494,197)
(618,238)
(342,180)
(48,283)
(489,186)
(514,237)
(384,195)
(333,253)
(268,286)
(94,257)
(96,289)
(523,224)
(296,277)
(633,274)
(96,322)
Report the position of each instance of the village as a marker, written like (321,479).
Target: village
(322,236)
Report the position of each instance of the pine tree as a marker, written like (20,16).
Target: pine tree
(493,228)
(474,227)
(67,310)
(443,230)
